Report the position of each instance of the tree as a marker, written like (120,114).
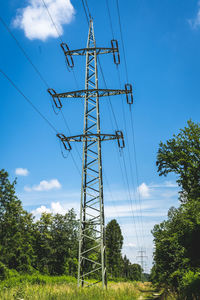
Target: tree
(43,243)
(56,243)
(114,242)
(181,155)
(131,271)
(177,240)
(64,232)
(16,228)
(177,244)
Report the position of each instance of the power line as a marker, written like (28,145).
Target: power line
(109,15)
(111,26)
(85,11)
(130,160)
(115,120)
(27,57)
(136,167)
(129,193)
(90,16)
(29,101)
(52,20)
(24,52)
(122,108)
(122,39)
(59,36)
(35,69)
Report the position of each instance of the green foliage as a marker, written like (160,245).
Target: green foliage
(6,273)
(61,290)
(131,271)
(114,242)
(119,268)
(36,279)
(190,285)
(50,245)
(180,155)
(177,240)
(71,266)
(56,243)
(16,228)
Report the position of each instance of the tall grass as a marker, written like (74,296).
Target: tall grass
(58,289)
(35,279)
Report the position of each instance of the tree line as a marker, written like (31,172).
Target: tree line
(50,245)
(177,240)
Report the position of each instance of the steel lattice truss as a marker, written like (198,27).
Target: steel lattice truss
(92,228)
(92,224)
(91,93)
(92,138)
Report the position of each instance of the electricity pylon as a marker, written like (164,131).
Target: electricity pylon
(91,260)
(142,258)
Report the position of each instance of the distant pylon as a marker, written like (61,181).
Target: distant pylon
(142,260)
(91,260)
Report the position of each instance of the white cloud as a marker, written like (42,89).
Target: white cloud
(55,208)
(124,210)
(21,172)
(144,190)
(195,23)
(132,245)
(35,21)
(44,185)
(165,184)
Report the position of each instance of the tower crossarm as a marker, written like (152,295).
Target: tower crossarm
(92,93)
(91,138)
(83,51)
(114,49)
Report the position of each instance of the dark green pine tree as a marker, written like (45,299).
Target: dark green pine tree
(114,242)
(16,228)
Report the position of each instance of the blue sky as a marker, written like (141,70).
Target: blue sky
(162,42)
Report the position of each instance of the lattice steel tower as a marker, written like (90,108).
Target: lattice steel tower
(92,261)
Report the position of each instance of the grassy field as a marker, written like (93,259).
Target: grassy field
(58,291)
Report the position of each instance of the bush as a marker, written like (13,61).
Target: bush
(36,279)
(190,285)
(6,273)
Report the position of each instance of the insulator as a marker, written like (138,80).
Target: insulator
(129,93)
(65,142)
(120,139)
(56,99)
(116,57)
(69,58)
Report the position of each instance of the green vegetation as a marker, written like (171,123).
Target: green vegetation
(118,266)
(177,240)
(32,251)
(56,289)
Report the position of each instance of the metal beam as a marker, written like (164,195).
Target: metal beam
(91,93)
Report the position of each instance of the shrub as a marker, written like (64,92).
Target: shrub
(6,273)
(36,279)
(190,285)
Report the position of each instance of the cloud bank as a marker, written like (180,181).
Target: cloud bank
(195,23)
(36,23)
(55,208)
(44,185)
(21,172)
(144,190)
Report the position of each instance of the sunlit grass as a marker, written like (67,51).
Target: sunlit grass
(69,291)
